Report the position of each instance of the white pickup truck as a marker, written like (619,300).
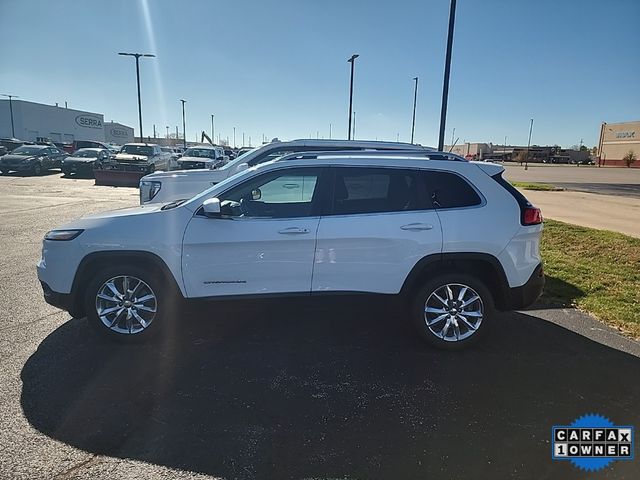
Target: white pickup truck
(163,187)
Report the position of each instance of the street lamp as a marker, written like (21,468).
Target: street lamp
(213,136)
(447,70)
(13,133)
(137,57)
(352,61)
(415,98)
(234,137)
(184,129)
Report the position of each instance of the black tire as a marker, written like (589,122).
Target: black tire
(37,169)
(4,172)
(484,304)
(159,286)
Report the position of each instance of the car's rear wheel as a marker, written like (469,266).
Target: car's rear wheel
(127,303)
(451,311)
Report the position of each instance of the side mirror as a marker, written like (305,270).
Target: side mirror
(211,207)
(242,167)
(256,194)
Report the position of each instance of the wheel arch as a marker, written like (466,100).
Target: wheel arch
(485,267)
(96,260)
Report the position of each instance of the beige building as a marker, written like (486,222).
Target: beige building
(616,140)
(471,151)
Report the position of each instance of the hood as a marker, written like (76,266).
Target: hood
(81,159)
(17,158)
(196,159)
(98,219)
(126,157)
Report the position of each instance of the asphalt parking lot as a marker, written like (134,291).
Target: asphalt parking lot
(318,388)
(586,178)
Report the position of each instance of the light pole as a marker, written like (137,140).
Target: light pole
(213,136)
(234,137)
(447,71)
(504,149)
(352,61)
(10,97)
(329,131)
(184,126)
(167,127)
(137,57)
(415,99)
(526,160)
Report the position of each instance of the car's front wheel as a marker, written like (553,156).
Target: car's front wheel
(37,169)
(451,311)
(127,303)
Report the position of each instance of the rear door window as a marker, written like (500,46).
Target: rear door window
(377,190)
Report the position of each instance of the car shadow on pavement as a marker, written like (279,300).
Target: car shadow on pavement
(318,389)
(557,294)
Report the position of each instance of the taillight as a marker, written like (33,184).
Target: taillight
(531,216)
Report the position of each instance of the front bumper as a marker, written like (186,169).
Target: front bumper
(17,167)
(77,166)
(63,301)
(523,296)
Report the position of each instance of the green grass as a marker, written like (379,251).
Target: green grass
(595,270)
(543,187)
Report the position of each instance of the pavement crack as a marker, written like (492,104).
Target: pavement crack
(94,459)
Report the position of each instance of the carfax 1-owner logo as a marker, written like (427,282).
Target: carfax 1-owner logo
(592,442)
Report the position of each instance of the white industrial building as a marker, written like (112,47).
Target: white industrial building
(32,121)
(118,133)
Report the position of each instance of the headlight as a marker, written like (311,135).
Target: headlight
(62,235)
(148,190)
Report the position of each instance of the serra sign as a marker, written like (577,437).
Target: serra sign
(89,121)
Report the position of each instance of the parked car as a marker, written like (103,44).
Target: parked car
(229,152)
(410,225)
(178,185)
(84,160)
(143,157)
(205,156)
(78,144)
(12,143)
(34,159)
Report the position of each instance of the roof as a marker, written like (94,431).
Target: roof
(344,143)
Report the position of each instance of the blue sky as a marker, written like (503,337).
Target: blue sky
(279,68)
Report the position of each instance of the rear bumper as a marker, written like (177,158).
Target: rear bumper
(525,295)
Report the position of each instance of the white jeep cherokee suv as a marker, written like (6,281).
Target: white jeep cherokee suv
(451,237)
(162,187)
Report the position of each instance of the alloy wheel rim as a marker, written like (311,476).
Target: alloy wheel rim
(126,304)
(453,312)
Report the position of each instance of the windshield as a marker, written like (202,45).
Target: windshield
(28,151)
(240,159)
(200,152)
(137,150)
(86,153)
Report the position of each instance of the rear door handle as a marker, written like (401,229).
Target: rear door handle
(293,231)
(414,227)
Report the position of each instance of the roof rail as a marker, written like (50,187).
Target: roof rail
(416,154)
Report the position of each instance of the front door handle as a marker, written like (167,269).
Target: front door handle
(293,231)
(414,227)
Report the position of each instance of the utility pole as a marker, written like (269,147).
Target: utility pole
(329,131)
(184,127)
(177,136)
(243,139)
(415,99)
(526,160)
(504,149)
(352,61)
(167,127)
(213,136)
(154,130)
(234,137)
(447,71)
(137,57)
(11,97)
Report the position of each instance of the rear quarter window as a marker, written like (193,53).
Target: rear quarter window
(448,190)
